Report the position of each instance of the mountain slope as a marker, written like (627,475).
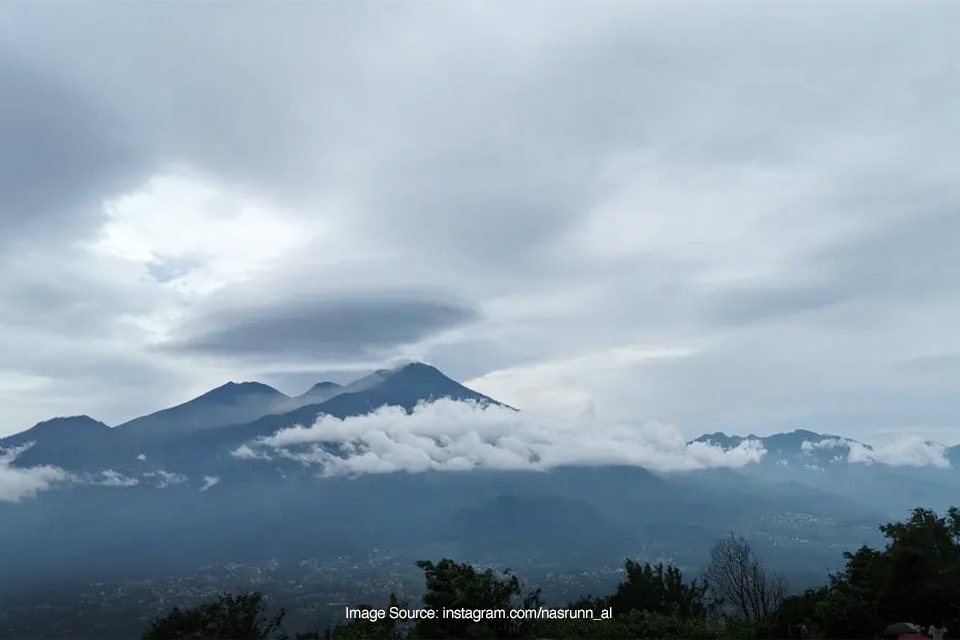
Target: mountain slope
(844,466)
(402,387)
(320,392)
(75,441)
(229,404)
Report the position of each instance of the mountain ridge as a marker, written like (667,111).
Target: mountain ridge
(203,428)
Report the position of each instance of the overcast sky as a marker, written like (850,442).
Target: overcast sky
(738,217)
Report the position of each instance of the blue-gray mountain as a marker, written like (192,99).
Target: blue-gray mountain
(800,515)
(200,431)
(889,480)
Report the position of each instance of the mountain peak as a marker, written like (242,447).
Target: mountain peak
(232,390)
(325,385)
(319,392)
(404,386)
(74,422)
(418,369)
(232,403)
(60,427)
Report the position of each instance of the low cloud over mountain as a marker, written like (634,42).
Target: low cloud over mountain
(17,483)
(905,451)
(457,436)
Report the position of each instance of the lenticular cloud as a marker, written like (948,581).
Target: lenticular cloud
(448,435)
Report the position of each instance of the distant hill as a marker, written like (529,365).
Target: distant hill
(823,461)
(799,446)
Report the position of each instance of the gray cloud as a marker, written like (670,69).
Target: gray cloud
(769,190)
(330,327)
(61,152)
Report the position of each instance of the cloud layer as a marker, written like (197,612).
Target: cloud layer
(17,483)
(904,451)
(459,436)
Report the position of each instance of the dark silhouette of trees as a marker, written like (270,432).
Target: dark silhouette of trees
(652,588)
(239,617)
(740,583)
(657,589)
(458,585)
(916,578)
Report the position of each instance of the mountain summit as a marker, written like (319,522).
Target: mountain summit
(319,392)
(228,404)
(405,386)
(71,441)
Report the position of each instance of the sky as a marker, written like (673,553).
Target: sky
(718,217)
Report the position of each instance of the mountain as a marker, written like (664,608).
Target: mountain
(803,447)
(66,429)
(953,455)
(199,434)
(74,441)
(404,387)
(320,392)
(845,467)
(230,404)
(194,504)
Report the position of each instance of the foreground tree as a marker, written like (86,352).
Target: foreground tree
(651,588)
(239,617)
(916,578)
(458,585)
(740,582)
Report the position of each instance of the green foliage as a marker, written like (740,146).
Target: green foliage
(239,617)
(653,588)
(456,585)
(659,590)
(916,578)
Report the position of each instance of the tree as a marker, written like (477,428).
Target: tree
(239,617)
(455,585)
(915,578)
(657,589)
(740,582)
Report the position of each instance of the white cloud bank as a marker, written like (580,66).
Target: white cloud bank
(458,436)
(905,451)
(17,483)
